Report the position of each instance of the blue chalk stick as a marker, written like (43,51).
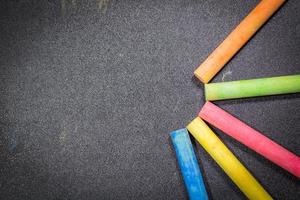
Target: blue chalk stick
(188,164)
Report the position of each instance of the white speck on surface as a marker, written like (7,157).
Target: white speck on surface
(63,136)
(228,73)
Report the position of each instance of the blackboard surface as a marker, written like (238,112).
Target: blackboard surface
(89,91)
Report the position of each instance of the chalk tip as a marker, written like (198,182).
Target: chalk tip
(199,76)
(179,131)
(205,92)
(204,107)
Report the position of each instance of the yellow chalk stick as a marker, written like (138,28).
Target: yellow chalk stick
(226,160)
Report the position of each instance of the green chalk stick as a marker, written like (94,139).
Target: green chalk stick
(252,87)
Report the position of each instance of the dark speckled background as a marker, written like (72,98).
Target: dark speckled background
(90,90)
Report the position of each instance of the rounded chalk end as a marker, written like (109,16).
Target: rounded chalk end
(200,77)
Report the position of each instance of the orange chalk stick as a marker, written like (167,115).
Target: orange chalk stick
(237,39)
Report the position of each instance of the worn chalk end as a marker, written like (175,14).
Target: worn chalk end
(198,73)
(205,92)
(173,134)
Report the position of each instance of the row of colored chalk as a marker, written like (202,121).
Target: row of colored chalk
(227,123)
(220,153)
(223,156)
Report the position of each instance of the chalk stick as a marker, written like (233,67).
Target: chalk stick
(251,138)
(252,87)
(237,39)
(226,160)
(188,164)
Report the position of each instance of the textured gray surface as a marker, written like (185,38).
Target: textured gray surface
(89,92)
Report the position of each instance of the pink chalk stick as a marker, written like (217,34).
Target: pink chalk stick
(251,138)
